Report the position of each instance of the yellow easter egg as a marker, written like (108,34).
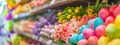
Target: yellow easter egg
(103,40)
(114,42)
(11,5)
(117,21)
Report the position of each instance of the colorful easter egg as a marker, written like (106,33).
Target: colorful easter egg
(92,40)
(91,23)
(117,21)
(82,28)
(112,31)
(9,16)
(109,19)
(114,42)
(88,32)
(113,7)
(98,21)
(116,11)
(104,13)
(9,25)
(103,40)
(100,30)
(74,39)
(82,42)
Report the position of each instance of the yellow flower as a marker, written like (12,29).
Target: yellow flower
(79,17)
(69,10)
(69,16)
(60,20)
(76,10)
(63,21)
(73,16)
(59,13)
(89,10)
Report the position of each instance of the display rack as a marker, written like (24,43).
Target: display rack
(41,9)
(57,5)
(40,39)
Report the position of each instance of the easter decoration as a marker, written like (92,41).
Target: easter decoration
(93,40)
(114,42)
(103,40)
(100,31)
(82,42)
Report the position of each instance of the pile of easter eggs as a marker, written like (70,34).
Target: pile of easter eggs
(103,30)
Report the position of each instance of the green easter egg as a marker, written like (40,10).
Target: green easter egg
(112,31)
(9,25)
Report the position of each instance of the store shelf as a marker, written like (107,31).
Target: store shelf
(41,39)
(57,5)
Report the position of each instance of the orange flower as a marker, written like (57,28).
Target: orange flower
(79,17)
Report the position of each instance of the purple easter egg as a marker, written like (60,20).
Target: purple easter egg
(9,17)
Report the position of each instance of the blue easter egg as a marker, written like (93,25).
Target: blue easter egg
(88,24)
(81,36)
(74,39)
(91,23)
(98,21)
(82,28)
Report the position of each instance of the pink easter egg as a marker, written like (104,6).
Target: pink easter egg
(100,31)
(88,32)
(92,40)
(109,19)
(104,13)
(82,42)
